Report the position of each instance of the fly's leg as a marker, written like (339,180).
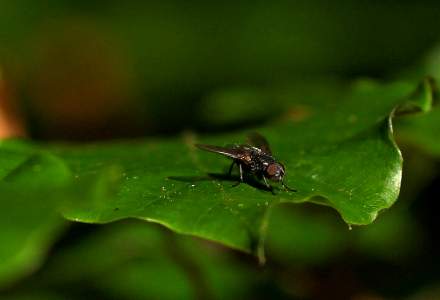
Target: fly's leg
(241,175)
(288,188)
(268,185)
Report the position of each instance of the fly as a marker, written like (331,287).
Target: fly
(254,158)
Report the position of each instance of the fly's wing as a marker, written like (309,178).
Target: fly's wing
(232,152)
(259,141)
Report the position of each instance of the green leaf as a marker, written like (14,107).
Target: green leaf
(303,236)
(34,187)
(300,237)
(336,143)
(135,261)
(28,221)
(422,131)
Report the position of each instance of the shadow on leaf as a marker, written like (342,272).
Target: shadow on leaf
(223,177)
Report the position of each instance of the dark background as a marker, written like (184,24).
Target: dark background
(94,70)
(89,70)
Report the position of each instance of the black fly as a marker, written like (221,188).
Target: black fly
(255,158)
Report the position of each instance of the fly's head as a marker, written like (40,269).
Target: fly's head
(275,171)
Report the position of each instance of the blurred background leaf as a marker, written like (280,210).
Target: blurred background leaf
(29,221)
(110,69)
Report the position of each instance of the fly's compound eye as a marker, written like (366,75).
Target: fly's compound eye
(275,171)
